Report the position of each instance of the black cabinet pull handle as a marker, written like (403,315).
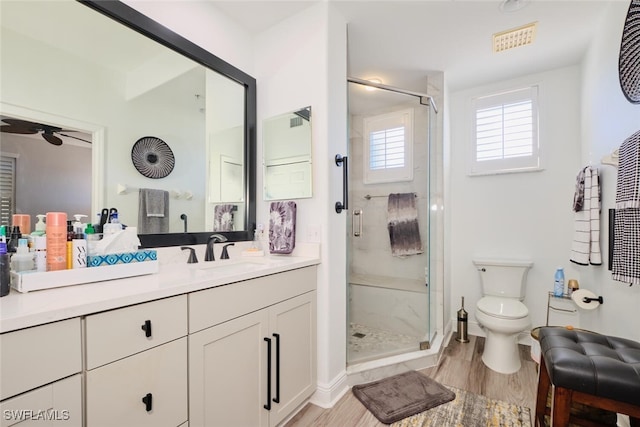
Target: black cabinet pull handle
(340,206)
(148,402)
(277,398)
(268,405)
(147,328)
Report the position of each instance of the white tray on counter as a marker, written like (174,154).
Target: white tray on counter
(34,280)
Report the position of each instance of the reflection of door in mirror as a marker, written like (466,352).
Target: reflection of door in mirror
(48,169)
(287,155)
(225,150)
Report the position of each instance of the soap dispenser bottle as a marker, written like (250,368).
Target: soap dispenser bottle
(40,227)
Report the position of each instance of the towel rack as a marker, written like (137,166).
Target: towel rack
(369,197)
(122,189)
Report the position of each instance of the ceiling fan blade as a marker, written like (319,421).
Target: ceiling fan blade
(51,138)
(22,123)
(15,129)
(74,137)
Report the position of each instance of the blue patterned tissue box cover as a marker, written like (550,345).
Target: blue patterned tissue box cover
(121,258)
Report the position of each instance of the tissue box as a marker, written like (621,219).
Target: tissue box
(122,258)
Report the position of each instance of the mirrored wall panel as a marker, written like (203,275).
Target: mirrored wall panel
(287,161)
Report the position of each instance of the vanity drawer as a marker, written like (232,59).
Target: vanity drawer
(119,333)
(212,306)
(32,357)
(115,392)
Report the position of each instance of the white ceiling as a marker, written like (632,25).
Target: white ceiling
(401,41)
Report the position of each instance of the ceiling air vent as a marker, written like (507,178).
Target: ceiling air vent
(515,37)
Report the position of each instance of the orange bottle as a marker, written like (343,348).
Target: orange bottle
(56,232)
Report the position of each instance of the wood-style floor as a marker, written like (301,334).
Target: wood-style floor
(460,366)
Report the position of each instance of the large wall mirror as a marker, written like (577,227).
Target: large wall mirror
(109,76)
(286,145)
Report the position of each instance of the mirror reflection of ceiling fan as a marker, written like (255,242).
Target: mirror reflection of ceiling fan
(49,132)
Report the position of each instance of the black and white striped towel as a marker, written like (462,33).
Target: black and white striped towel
(626,245)
(404,232)
(585,248)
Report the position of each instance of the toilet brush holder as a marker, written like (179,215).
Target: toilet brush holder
(463,319)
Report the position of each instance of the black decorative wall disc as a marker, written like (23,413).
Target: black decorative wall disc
(152,157)
(629,62)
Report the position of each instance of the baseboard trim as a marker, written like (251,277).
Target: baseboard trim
(327,395)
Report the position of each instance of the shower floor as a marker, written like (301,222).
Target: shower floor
(367,343)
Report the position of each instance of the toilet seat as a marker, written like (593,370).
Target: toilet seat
(502,308)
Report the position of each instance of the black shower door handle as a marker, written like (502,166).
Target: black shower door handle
(340,206)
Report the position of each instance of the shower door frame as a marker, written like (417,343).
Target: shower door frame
(434,244)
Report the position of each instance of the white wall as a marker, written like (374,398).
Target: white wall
(299,62)
(607,120)
(524,215)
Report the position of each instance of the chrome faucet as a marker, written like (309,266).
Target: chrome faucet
(214,238)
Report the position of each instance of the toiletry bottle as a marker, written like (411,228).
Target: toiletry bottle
(56,241)
(3,233)
(40,253)
(70,236)
(92,240)
(22,260)
(23,221)
(558,287)
(5,270)
(78,226)
(79,252)
(12,242)
(113,226)
(40,227)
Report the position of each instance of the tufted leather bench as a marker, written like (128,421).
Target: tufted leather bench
(588,368)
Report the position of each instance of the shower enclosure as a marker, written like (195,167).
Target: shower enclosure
(392,249)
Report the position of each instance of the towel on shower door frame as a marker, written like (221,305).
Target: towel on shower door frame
(404,232)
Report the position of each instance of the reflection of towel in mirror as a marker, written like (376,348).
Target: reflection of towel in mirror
(585,248)
(223,217)
(404,232)
(625,266)
(153,211)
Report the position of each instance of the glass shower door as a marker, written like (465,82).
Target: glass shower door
(389,224)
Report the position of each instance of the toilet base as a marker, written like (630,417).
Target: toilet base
(501,352)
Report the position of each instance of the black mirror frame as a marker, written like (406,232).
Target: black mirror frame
(146,26)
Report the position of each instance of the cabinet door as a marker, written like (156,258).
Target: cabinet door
(227,373)
(115,392)
(56,404)
(293,328)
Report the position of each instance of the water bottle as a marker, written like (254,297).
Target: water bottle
(558,287)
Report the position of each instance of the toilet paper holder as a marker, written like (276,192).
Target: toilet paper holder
(588,300)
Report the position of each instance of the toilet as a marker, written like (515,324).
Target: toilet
(500,311)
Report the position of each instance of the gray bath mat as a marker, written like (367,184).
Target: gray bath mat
(400,396)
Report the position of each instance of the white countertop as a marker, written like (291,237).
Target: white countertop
(175,277)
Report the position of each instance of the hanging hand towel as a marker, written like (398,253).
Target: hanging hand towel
(152,219)
(402,216)
(282,227)
(223,217)
(626,244)
(585,248)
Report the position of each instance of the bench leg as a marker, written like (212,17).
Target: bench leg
(561,406)
(543,392)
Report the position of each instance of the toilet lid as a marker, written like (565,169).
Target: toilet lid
(504,308)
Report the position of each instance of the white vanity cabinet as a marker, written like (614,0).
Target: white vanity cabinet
(136,360)
(40,374)
(253,362)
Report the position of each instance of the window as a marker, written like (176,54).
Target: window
(388,147)
(505,132)
(7,188)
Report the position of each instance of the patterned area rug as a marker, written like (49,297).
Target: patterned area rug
(470,410)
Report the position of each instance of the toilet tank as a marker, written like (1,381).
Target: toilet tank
(503,277)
